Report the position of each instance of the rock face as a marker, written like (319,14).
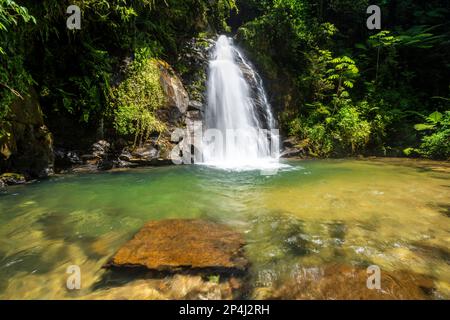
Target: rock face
(183,245)
(195,58)
(177,99)
(28,148)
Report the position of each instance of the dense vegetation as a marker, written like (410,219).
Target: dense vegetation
(351,90)
(339,88)
(75,71)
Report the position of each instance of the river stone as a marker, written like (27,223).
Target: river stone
(183,245)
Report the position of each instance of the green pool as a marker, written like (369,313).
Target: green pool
(392,213)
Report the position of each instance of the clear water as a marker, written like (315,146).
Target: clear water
(391,213)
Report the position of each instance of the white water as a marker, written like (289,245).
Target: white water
(238,121)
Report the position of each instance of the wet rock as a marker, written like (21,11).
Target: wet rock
(343,282)
(125,164)
(183,245)
(105,164)
(145,153)
(90,159)
(292,153)
(125,156)
(66,159)
(100,149)
(149,154)
(11,179)
(85,168)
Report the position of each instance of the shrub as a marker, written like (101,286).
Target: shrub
(137,98)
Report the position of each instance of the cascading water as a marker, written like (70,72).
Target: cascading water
(239,126)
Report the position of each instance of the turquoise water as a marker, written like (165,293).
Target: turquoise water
(391,213)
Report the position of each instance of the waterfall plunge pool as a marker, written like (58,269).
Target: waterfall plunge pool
(321,213)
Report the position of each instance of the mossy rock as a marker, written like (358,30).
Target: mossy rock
(12,178)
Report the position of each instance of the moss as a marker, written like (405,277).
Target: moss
(136,100)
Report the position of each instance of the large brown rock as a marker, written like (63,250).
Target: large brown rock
(183,245)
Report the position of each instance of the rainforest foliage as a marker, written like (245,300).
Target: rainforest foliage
(338,88)
(343,89)
(79,73)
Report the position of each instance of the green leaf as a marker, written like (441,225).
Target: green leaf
(435,117)
(348,84)
(423,126)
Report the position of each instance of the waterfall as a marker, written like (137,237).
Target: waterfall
(239,125)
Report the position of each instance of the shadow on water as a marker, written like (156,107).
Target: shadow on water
(55,227)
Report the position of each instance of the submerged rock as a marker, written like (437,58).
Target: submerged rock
(343,282)
(183,245)
(191,287)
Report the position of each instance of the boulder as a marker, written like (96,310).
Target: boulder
(100,148)
(183,245)
(145,153)
(149,154)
